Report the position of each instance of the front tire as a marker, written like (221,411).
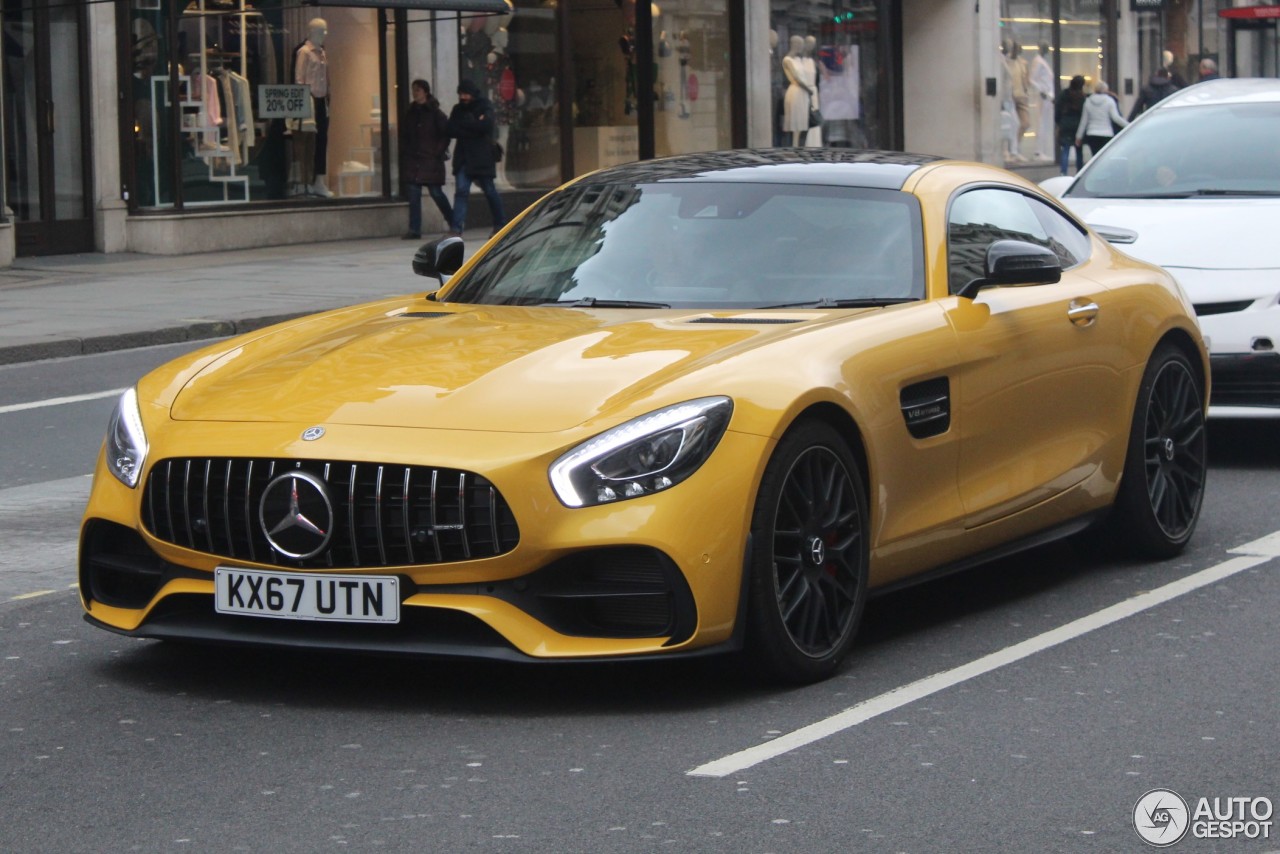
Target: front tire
(808,581)
(1162,486)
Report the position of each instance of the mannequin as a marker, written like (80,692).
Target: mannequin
(683,52)
(795,104)
(1016,67)
(1008,120)
(814,138)
(312,69)
(1043,85)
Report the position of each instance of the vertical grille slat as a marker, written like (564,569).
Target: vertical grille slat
(186,505)
(462,514)
(351,516)
(248,509)
(226,509)
(404,507)
(204,506)
(377,518)
(434,518)
(212,504)
(168,501)
(493,516)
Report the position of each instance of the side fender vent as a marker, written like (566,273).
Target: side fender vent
(926,407)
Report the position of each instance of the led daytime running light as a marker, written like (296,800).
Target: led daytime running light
(126,440)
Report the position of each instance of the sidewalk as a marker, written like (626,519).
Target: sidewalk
(68,305)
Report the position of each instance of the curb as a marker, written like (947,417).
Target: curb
(62,348)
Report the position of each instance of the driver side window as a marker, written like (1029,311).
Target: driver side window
(980,217)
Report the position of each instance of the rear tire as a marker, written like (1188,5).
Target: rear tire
(809,558)
(1162,486)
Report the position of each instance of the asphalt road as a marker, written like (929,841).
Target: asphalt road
(1023,706)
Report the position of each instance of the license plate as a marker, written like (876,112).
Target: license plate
(307,595)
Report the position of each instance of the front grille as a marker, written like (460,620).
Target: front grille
(383,515)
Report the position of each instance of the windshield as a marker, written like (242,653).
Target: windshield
(709,245)
(1183,152)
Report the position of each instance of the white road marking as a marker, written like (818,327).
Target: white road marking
(59,401)
(1252,554)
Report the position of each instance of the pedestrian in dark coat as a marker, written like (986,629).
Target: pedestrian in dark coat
(1157,89)
(1068,109)
(424,147)
(472,125)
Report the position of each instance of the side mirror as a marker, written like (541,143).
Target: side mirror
(439,259)
(1016,262)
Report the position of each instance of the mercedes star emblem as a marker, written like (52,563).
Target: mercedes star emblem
(312,433)
(296,515)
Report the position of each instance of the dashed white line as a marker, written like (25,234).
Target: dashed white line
(1252,554)
(59,401)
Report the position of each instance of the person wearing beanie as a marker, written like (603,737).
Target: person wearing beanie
(471,125)
(424,147)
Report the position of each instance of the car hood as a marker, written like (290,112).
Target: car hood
(1222,234)
(493,368)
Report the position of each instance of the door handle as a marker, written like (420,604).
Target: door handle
(1082,312)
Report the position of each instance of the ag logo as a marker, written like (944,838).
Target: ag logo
(1161,817)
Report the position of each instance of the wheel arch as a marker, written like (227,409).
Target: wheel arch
(844,424)
(1182,340)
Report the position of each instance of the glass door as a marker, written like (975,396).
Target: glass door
(48,173)
(1254,48)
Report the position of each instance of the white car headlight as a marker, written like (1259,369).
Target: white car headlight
(126,440)
(645,455)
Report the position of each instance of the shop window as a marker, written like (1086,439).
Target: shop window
(1034,69)
(603,47)
(826,55)
(514,60)
(691,59)
(253,102)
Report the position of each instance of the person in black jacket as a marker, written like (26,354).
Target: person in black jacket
(471,123)
(1068,109)
(424,146)
(1157,89)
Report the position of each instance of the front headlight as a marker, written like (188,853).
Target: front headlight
(126,441)
(643,456)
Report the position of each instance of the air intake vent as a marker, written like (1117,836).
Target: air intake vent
(379,515)
(926,407)
(426,314)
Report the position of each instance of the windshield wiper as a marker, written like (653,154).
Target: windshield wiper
(828,302)
(592,302)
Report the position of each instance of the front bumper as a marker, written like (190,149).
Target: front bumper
(660,574)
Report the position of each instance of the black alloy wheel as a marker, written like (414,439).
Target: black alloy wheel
(809,536)
(1162,487)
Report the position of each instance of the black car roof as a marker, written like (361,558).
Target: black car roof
(852,167)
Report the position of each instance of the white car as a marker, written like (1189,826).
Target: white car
(1194,186)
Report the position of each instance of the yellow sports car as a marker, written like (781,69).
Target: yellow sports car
(697,404)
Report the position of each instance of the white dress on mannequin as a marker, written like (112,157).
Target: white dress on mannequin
(800,86)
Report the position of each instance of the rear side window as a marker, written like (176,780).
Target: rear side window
(980,217)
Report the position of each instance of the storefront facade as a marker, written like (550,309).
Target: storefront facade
(178,126)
